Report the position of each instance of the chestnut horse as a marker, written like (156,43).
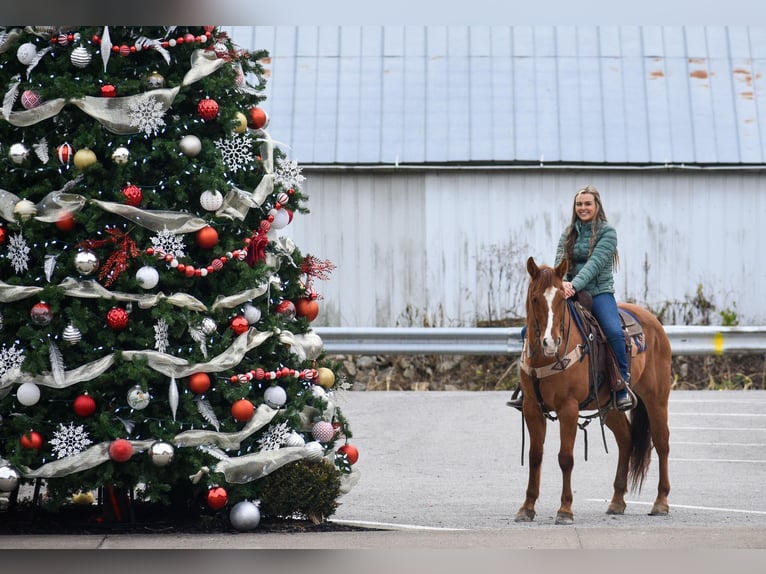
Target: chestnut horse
(555,378)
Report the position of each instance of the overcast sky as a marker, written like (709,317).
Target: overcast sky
(330,12)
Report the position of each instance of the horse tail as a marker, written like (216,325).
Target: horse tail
(641,452)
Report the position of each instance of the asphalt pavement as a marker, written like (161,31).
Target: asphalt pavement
(443,471)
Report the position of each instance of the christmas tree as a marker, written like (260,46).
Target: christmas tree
(156,337)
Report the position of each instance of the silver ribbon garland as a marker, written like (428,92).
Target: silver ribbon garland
(173,221)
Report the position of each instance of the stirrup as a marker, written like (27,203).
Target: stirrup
(628,402)
(516,402)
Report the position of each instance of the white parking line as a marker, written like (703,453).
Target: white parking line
(708,443)
(690,507)
(677,414)
(394,526)
(739,429)
(750,460)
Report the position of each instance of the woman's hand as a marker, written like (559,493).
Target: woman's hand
(568,290)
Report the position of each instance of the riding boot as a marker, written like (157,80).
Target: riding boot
(517,400)
(624,399)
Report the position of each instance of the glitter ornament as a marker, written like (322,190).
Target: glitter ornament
(240,123)
(323,431)
(275,396)
(84,158)
(121,155)
(217,497)
(190,145)
(80,57)
(26,53)
(9,478)
(28,394)
(18,153)
(86,262)
(199,383)
(239,325)
(41,314)
(148,277)
(154,81)
(209,326)
(25,209)
(258,118)
(117,318)
(133,195)
(350,451)
(72,334)
(161,453)
(32,440)
(207,237)
(211,200)
(30,99)
(108,91)
(326,377)
(138,398)
(207,109)
(245,516)
(121,450)
(64,152)
(84,406)
(242,410)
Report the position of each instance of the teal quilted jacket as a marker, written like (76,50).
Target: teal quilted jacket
(594,274)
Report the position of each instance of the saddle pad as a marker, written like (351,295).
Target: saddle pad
(633,332)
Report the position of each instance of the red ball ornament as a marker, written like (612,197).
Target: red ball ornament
(66,222)
(121,450)
(258,118)
(207,109)
(30,99)
(239,325)
(133,195)
(207,237)
(32,440)
(199,383)
(3,235)
(217,497)
(242,410)
(117,318)
(108,91)
(65,153)
(307,307)
(84,406)
(351,452)
(41,313)
(286,309)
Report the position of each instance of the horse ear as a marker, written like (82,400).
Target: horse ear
(562,268)
(532,267)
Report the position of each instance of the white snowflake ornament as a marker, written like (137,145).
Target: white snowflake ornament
(69,440)
(161,335)
(289,174)
(18,253)
(237,151)
(275,436)
(146,113)
(168,243)
(11,359)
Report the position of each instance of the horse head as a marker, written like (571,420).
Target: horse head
(546,306)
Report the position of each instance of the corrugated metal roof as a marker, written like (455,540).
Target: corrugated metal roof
(515,94)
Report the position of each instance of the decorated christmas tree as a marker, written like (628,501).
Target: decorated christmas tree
(155,338)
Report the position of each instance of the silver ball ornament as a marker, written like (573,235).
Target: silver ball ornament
(245,515)
(121,155)
(9,478)
(209,326)
(86,262)
(190,145)
(18,153)
(138,398)
(275,396)
(161,453)
(26,53)
(154,81)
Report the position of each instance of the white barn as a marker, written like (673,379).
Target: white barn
(439,158)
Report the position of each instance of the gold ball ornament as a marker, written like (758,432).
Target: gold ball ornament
(84,158)
(83,498)
(25,210)
(240,123)
(154,81)
(326,377)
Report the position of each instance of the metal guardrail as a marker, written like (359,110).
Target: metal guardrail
(684,340)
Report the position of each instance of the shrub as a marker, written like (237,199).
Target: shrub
(301,489)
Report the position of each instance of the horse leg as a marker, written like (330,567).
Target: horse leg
(568,432)
(536,425)
(657,411)
(619,425)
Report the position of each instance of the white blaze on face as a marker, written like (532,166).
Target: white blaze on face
(549,347)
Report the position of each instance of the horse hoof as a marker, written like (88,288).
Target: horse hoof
(659,510)
(564,518)
(616,509)
(525,515)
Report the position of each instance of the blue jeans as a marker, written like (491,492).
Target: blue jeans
(606,313)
